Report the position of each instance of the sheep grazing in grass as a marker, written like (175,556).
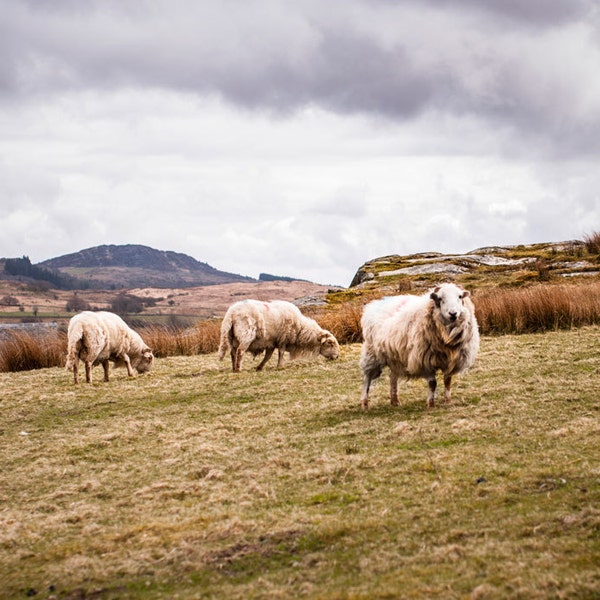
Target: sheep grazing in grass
(255,326)
(99,337)
(416,336)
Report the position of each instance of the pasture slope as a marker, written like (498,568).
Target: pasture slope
(195,482)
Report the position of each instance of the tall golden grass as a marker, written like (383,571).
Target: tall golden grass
(499,311)
(172,340)
(592,242)
(25,351)
(537,308)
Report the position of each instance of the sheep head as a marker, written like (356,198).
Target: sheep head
(329,347)
(143,362)
(449,302)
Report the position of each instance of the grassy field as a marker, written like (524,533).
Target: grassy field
(194,482)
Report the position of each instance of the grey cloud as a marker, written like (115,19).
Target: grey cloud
(258,56)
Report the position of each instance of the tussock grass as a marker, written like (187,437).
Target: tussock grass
(343,320)
(176,341)
(195,482)
(592,242)
(537,308)
(22,350)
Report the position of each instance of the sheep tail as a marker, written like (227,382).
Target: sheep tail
(226,327)
(76,335)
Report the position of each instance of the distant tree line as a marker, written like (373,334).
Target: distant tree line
(268,277)
(22,267)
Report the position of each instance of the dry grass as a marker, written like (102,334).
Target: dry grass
(342,320)
(538,308)
(22,350)
(194,482)
(592,242)
(203,338)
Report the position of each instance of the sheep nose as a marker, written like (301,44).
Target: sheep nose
(452,316)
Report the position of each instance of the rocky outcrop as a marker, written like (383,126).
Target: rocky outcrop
(498,265)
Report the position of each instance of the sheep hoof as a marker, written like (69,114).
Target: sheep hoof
(394,401)
(365,404)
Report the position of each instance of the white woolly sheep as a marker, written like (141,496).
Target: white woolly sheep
(99,337)
(256,326)
(416,336)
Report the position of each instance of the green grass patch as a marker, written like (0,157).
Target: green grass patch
(196,482)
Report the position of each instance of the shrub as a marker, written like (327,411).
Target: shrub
(9,301)
(127,303)
(76,304)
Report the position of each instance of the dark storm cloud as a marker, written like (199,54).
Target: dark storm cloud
(258,55)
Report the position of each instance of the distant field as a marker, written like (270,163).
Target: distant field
(194,482)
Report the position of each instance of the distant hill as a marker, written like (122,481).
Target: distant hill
(134,265)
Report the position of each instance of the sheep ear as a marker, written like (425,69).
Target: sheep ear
(435,297)
(465,293)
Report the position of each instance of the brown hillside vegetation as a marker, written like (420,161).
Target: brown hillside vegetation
(194,482)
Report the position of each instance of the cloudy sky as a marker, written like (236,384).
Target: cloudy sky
(297,138)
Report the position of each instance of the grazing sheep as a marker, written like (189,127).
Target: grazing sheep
(255,326)
(415,336)
(99,337)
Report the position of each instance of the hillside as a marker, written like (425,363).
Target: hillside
(497,266)
(134,266)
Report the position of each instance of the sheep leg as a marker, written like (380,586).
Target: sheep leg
(75,370)
(364,397)
(369,375)
(393,388)
(236,359)
(88,371)
(105,366)
(431,396)
(268,354)
(127,364)
(371,370)
(447,384)
(280,353)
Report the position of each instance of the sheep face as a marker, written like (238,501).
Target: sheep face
(448,300)
(144,361)
(329,347)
